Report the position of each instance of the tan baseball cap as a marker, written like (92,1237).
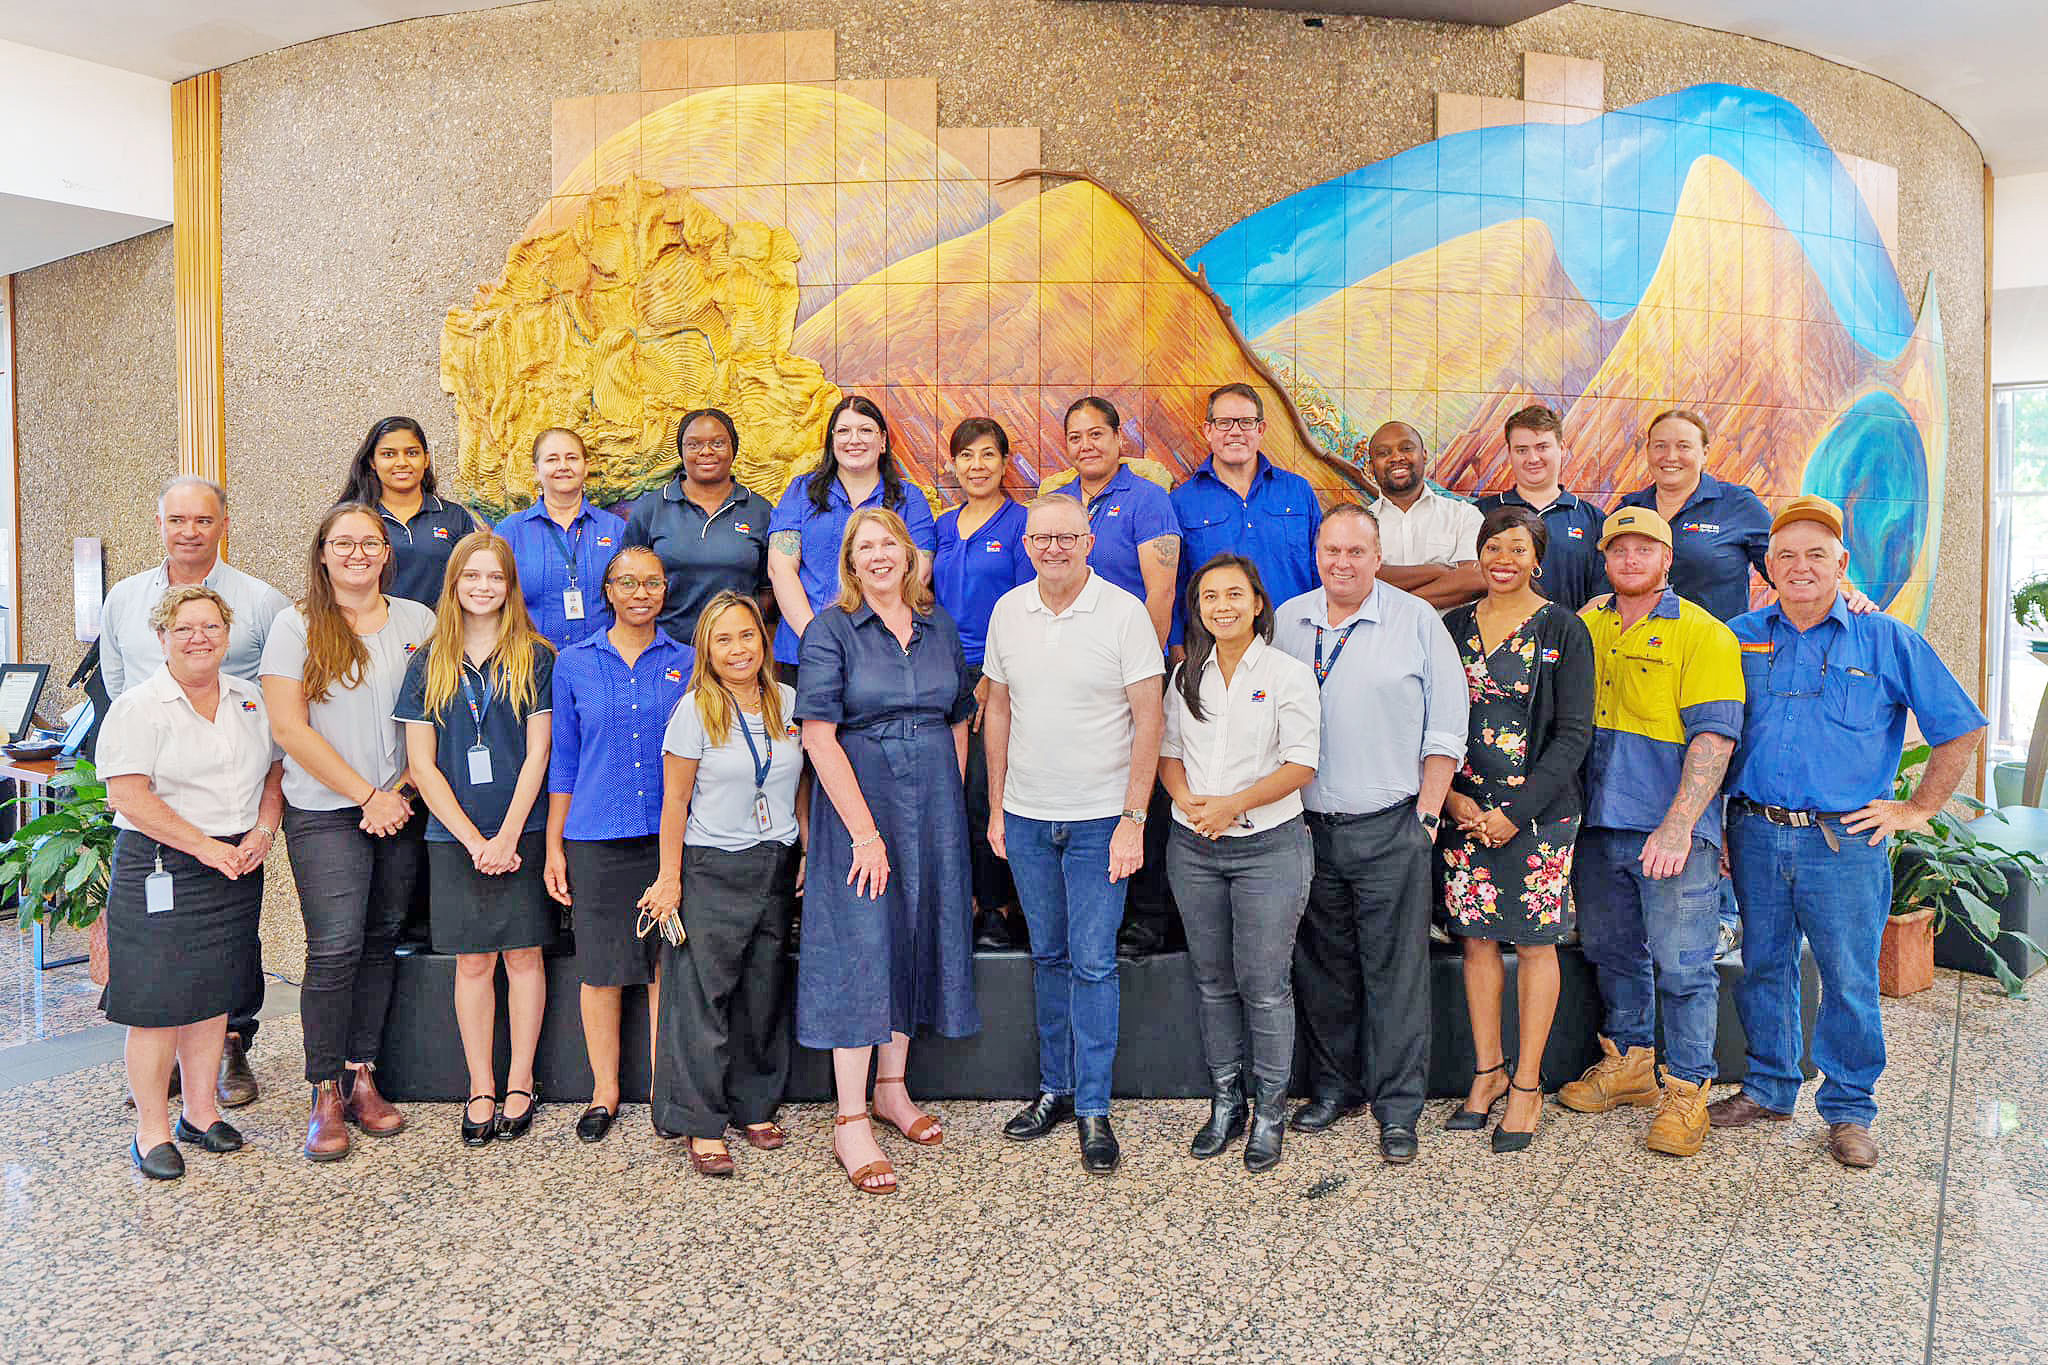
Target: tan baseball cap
(1635,521)
(1809,507)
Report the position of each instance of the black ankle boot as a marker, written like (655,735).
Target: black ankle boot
(1269,1124)
(1226,1114)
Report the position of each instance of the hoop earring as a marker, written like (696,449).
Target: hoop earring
(1539,572)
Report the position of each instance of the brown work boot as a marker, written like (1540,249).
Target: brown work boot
(1616,1079)
(1681,1122)
(369,1110)
(1739,1111)
(1852,1145)
(327,1129)
(237,1084)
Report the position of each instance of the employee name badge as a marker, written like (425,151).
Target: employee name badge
(572,603)
(479,766)
(156,889)
(762,820)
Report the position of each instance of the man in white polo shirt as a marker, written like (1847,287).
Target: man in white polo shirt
(1072,731)
(1430,539)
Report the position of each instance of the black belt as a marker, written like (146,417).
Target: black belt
(1793,819)
(1336,818)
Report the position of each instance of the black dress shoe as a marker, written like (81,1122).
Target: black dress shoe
(595,1123)
(164,1162)
(1471,1120)
(1269,1125)
(1320,1112)
(477,1134)
(219,1138)
(991,929)
(510,1128)
(1099,1152)
(1226,1114)
(1039,1117)
(1139,939)
(1397,1145)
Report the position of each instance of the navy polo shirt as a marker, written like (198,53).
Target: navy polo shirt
(969,574)
(1574,570)
(608,727)
(1825,719)
(552,561)
(502,731)
(420,548)
(1130,511)
(817,565)
(1723,531)
(701,555)
(1274,526)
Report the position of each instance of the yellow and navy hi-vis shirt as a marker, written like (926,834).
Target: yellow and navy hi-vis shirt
(1668,678)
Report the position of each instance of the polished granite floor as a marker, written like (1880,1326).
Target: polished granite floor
(1585,1248)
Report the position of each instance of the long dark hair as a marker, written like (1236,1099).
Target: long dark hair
(1200,643)
(827,472)
(363,485)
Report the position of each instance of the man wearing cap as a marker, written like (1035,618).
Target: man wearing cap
(1667,713)
(1810,820)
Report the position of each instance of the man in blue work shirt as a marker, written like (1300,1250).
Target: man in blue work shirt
(1573,572)
(1238,500)
(1137,539)
(1810,820)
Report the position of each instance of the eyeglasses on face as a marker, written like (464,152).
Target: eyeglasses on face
(1045,540)
(632,586)
(716,445)
(346,546)
(212,630)
(1236,423)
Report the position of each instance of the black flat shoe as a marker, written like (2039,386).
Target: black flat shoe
(1471,1120)
(164,1162)
(991,930)
(510,1128)
(1099,1151)
(595,1123)
(1039,1117)
(477,1134)
(1506,1139)
(1320,1113)
(1397,1145)
(219,1138)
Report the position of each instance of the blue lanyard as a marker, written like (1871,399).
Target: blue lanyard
(1323,669)
(476,709)
(562,543)
(761,763)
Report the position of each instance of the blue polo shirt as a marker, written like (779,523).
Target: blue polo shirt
(496,725)
(1274,526)
(701,555)
(608,726)
(420,548)
(552,561)
(1129,511)
(968,575)
(1722,532)
(1574,570)
(1826,717)
(818,563)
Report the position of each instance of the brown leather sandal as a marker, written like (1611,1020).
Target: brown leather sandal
(925,1132)
(869,1171)
(718,1164)
(764,1137)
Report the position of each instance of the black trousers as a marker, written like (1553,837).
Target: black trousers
(723,1058)
(248,1000)
(993,888)
(1361,962)
(1150,899)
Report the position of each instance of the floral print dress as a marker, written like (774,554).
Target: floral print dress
(1520,892)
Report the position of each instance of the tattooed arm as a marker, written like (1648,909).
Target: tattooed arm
(1699,784)
(1159,563)
(785,553)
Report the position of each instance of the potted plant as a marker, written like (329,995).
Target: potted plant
(2030,608)
(58,864)
(1948,873)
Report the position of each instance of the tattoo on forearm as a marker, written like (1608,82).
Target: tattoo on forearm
(1168,549)
(790,543)
(1699,776)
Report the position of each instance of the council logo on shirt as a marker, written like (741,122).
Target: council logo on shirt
(440,533)
(674,675)
(604,540)
(995,547)
(248,705)
(1710,528)
(1576,532)
(742,527)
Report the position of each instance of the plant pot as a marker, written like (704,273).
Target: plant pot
(1905,961)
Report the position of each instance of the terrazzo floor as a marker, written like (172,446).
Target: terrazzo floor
(1585,1248)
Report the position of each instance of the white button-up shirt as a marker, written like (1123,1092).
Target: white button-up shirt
(209,771)
(129,650)
(1266,715)
(1438,529)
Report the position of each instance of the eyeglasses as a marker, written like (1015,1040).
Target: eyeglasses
(1779,655)
(346,546)
(630,586)
(1236,423)
(1045,540)
(717,445)
(211,630)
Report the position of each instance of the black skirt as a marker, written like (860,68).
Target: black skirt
(190,962)
(474,913)
(607,877)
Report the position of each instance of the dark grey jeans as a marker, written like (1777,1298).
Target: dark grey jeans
(1240,900)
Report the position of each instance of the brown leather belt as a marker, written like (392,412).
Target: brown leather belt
(1794,819)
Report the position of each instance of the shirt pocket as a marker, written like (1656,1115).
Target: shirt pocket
(1647,683)
(1206,537)
(1852,698)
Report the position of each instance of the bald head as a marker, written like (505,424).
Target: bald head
(1398,458)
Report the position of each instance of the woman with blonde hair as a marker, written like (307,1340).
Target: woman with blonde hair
(733,806)
(887,951)
(476,707)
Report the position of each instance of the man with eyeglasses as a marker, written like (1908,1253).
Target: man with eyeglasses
(1072,728)
(1811,820)
(192,518)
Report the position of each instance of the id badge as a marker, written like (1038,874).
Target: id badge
(156,892)
(762,819)
(572,603)
(479,766)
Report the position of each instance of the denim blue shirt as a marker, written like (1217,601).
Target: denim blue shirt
(1826,716)
(609,722)
(1574,570)
(420,548)
(856,675)
(701,555)
(552,561)
(1722,532)
(1130,511)
(969,575)
(818,563)
(1274,526)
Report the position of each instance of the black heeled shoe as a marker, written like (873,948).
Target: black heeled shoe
(219,1138)
(1268,1129)
(164,1162)
(477,1134)
(1506,1139)
(1471,1120)
(511,1128)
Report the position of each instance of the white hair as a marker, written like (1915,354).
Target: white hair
(220,495)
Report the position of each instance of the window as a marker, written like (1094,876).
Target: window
(2019,551)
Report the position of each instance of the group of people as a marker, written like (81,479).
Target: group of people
(667,722)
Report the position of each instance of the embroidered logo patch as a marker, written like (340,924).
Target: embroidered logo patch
(440,533)
(674,675)
(742,527)
(1259,695)
(790,731)
(1656,642)
(604,540)
(995,547)
(1115,508)
(1550,656)
(410,648)
(1576,532)
(248,705)
(1710,528)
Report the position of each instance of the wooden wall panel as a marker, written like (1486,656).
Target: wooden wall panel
(195,235)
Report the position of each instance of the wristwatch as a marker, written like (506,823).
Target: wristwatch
(1136,817)
(1429,822)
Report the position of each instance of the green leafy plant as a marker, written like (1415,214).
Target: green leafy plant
(2030,604)
(58,863)
(1956,872)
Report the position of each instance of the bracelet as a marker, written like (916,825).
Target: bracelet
(268,830)
(874,838)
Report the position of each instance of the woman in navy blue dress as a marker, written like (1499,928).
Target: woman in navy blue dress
(887,949)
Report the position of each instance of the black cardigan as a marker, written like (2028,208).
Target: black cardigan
(1560,715)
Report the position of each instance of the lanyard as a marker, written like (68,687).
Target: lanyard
(761,762)
(562,544)
(1323,669)
(476,709)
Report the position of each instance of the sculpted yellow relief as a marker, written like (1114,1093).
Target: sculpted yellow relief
(643,306)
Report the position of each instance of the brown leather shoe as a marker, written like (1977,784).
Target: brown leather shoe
(1680,1127)
(367,1109)
(327,1130)
(765,1137)
(1618,1078)
(237,1084)
(1739,1111)
(1852,1145)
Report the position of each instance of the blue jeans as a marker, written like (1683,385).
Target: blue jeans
(1073,909)
(1791,883)
(1651,942)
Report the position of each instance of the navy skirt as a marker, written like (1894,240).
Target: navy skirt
(607,877)
(187,963)
(903,962)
